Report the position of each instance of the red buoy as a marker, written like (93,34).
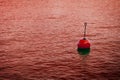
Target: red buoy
(84,44)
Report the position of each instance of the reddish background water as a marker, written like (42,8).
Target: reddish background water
(38,39)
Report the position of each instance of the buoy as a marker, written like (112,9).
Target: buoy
(84,44)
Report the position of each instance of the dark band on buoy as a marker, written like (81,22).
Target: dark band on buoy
(83,51)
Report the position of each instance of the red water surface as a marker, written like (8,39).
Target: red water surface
(38,39)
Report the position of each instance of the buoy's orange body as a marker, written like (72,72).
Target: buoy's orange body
(83,44)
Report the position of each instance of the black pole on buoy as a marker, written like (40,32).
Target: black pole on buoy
(85,25)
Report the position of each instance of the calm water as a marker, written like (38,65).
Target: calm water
(38,39)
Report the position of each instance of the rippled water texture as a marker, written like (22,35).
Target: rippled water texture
(38,39)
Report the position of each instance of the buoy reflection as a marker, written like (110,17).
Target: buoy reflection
(84,53)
